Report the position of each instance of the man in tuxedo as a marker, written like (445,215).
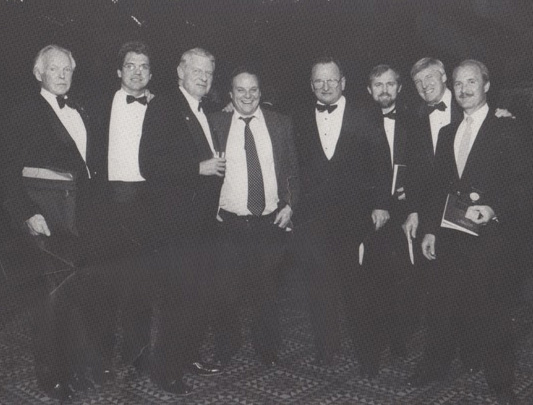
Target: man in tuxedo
(257,199)
(482,158)
(437,109)
(50,168)
(183,179)
(345,198)
(120,226)
(389,254)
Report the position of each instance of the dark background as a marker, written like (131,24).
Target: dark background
(281,37)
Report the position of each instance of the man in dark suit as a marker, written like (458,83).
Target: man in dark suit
(344,174)
(183,178)
(389,255)
(120,224)
(437,109)
(50,168)
(482,158)
(257,199)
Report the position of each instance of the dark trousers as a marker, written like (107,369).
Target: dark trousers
(330,260)
(249,252)
(399,283)
(468,306)
(184,276)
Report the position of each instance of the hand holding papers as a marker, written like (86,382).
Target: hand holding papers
(455,212)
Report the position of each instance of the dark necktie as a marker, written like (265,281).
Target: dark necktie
(256,189)
(439,106)
(201,105)
(326,107)
(130,99)
(62,101)
(391,115)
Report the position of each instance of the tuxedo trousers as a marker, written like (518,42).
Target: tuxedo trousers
(468,305)
(399,283)
(329,256)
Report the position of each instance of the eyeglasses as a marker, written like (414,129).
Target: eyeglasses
(332,83)
(130,67)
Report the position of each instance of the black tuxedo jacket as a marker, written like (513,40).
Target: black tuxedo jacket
(183,203)
(420,157)
(497,166)
(340,194)
(280,129)
(403,130)
(37,138)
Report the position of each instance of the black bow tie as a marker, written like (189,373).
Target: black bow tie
(391,115)
(323,107)
(439,106)
(130,99)
(62,101)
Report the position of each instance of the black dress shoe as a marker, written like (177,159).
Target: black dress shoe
(142,362)
(425,376)
(59,391)
(79,383)
(176,387)
(204,369)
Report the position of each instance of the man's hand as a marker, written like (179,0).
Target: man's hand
(503,113)
(284,217)
(428,246)
(480,214)
(410,225)
(37,225)
(380,218)
(229,108)
(213,167)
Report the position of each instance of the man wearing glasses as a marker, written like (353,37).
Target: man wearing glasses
(345,198)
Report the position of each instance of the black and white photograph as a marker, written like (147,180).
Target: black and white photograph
(266,202)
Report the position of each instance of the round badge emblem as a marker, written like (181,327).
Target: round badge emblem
(474,197)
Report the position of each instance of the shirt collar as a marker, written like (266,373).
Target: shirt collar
(193,103)
(257,114)
(480,114)
(51,98)
(341,102)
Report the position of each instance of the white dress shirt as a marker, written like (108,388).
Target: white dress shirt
(125,131)
(200,116)
(477,120)
(329,127)
(71,120)
(439,119)
(234,193)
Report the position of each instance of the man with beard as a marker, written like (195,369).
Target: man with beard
(345,197)
(387,252)
(482,158)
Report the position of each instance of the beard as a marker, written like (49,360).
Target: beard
(385,100)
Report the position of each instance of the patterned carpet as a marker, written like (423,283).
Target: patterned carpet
(295,381)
